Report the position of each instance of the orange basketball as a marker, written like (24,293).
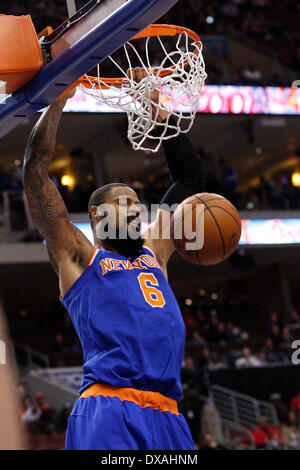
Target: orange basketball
(214,220)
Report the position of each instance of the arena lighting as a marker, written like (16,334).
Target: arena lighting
(296,179)
(188,302)
(68,180)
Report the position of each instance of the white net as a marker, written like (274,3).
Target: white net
(170,88)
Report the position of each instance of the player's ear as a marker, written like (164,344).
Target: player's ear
(93,212)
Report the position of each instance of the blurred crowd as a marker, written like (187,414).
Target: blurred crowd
(39,417)
(41,420)
(262,23)
(44,427)
(219,337)
(277,193)
(220,334)
(285,435)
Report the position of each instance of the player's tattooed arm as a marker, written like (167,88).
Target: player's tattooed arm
(46,205)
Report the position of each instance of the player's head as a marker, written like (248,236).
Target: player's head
(114,211)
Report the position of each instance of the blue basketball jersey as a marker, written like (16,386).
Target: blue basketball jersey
(129,323)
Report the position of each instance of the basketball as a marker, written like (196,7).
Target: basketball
(220,225)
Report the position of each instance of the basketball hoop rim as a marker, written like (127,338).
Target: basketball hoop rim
(152,30)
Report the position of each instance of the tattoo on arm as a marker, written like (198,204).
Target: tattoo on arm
(46,205)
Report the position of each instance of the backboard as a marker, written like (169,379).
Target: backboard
(95,31)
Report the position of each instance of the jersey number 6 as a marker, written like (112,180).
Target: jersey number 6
(152,295)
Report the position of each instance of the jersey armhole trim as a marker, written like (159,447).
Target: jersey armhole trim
(150,249)
(93,256)
(91,260)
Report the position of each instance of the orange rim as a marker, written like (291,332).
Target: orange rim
(151,31)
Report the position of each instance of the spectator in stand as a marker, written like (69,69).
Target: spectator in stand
(273,321)
(271,352)
(15,181)
(197,339)
(213,334)
(221,333)
(276,336)
(209,443)
(200,317)
(217,362)
(58,345)
(189,319)
(295,405)
(210,360)
(281,408)
(261,356)
(266,436)
(189,373)
(191,406)
(232,333)
(291,432)
(247,360)
(30,413)
(286,338)
(294,320)
(244,336)
(45,424)
(252,76)
(40,399)
(205,358)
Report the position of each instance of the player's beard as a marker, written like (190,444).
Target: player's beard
(128,246)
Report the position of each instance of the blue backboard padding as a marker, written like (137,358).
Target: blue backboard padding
(56,76)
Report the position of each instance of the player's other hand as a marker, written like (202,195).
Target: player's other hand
(137,74)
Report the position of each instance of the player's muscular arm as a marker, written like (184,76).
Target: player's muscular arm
(189,177)
(69,250)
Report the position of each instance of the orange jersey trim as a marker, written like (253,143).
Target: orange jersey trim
(140,397)
(92,255)
(146,246)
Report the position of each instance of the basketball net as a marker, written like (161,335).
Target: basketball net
(178,77)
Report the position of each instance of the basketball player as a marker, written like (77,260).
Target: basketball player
(120,302)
